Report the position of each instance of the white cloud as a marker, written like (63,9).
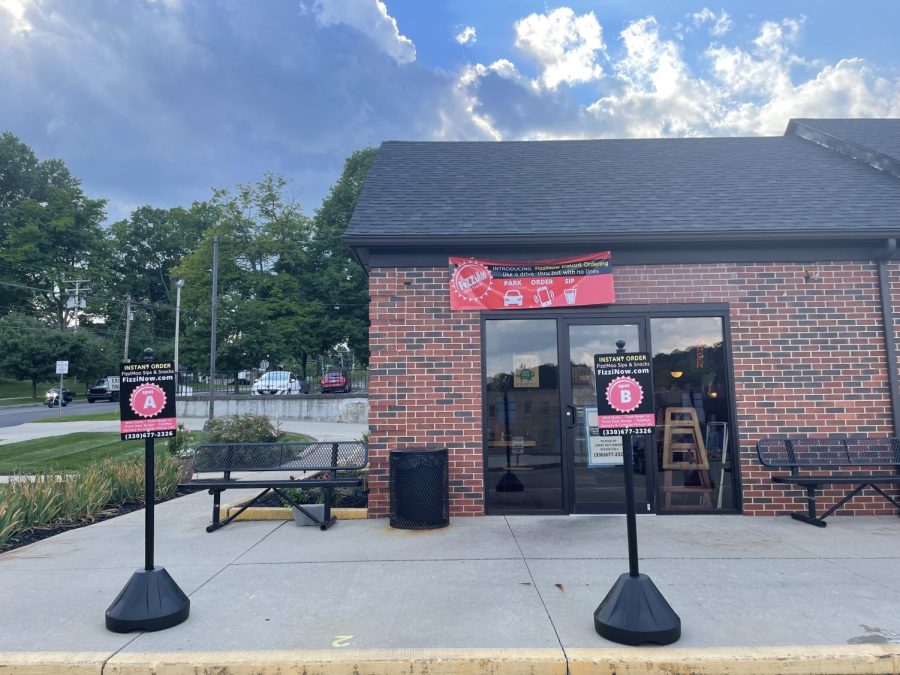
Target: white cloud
(12,13)
(563,44)
(467,35)
(846,89)
(656,95)
(765,69)
(651,91)
(721,23)
(369,17)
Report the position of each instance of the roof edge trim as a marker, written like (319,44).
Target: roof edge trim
(842,146)
(405,241)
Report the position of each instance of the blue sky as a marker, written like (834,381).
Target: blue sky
(158,101)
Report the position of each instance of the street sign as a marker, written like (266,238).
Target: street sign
(624,394)
(147,400)
(62,367)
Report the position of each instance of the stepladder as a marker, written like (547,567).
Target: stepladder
(684,451)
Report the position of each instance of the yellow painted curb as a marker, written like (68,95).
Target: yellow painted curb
(53,663)
(824,660)
(284,513)
(346,662)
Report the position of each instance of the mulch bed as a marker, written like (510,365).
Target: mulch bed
(31,536)
(358,499)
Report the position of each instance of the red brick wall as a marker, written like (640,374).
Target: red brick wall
(424,382)
(807,345)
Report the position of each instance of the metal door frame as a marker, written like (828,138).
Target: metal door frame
(621,314)
(565,393)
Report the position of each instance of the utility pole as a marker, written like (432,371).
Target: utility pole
(212,332)
(178,285)
(77,291)
(127,326)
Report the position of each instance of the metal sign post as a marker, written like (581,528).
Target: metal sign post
(634,611)
(151,600)
(62,368)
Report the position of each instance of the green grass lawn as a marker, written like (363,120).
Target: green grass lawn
(64,453)
(16,392)
(93,417)
(75,451)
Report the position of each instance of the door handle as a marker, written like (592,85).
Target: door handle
(571,416)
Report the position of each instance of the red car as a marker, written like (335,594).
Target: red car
(335,380)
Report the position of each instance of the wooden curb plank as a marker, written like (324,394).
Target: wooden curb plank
(346,662)
(53,663)
(819,660)
(880,659)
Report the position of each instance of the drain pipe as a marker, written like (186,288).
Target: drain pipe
(887,314)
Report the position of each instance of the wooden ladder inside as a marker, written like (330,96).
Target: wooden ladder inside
(684,450)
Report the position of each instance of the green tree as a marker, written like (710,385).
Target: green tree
(143,251)
(30,349)
(261,310)
(49,232)
(340,279)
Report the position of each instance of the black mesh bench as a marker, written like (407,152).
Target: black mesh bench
(879,458)
(328,461)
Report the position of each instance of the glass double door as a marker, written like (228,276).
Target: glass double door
(540,395)
(598,488)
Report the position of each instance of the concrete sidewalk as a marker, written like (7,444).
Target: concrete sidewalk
(494,594)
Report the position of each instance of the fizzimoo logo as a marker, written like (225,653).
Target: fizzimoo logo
(471,281)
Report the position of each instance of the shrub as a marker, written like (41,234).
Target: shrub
(247,428)
(305,496)
(182,443)
(342,496)
(10,520)
(49,500)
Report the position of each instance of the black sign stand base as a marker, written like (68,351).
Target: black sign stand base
(635,612)
(151,600)
(509,482)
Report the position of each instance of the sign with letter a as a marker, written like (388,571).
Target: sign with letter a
(147,400)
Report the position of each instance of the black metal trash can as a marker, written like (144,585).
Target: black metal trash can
(420,488)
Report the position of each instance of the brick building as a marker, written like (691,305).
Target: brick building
(759,273)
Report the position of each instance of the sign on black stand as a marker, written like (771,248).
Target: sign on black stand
(151,600)
(634,611)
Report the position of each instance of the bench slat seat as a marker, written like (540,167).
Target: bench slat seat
(874,456)
(206,483)
(328,461)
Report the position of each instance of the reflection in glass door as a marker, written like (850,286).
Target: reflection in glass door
(522,431)
(694,446)
(598,489)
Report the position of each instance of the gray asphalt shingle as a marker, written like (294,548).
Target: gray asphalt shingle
(426,190)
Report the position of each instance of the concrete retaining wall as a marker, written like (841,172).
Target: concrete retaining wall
(325,408)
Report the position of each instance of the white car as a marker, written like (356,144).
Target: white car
(279,383)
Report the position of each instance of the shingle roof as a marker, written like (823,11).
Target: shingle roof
(426,191)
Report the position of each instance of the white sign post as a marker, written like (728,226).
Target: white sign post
(62,368)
